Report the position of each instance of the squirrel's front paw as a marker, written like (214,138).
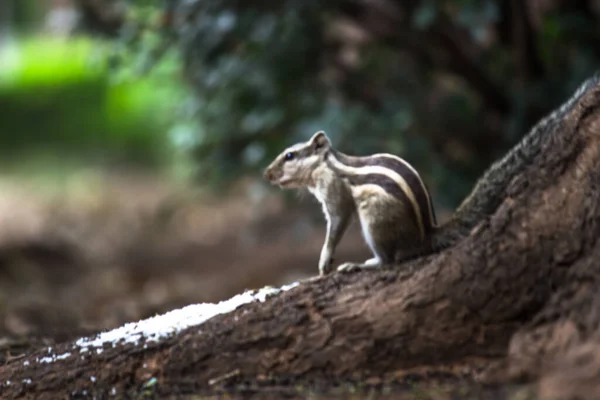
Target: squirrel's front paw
(325,265)
(348,267)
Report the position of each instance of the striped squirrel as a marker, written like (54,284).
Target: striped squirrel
(301,166)
(392,202)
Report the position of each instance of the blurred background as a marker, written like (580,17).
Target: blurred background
(133,134)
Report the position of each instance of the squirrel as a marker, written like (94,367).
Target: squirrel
(329,174)
(391,200)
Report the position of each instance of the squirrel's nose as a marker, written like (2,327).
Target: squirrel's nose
(268,175)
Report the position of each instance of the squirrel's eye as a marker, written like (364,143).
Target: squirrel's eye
(289,156)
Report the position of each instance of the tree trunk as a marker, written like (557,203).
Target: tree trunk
(519,285)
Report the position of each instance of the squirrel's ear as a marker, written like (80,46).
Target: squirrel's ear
(320,140)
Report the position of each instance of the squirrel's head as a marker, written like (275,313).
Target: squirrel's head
(293,167)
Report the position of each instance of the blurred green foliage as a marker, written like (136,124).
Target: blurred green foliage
(59,102)
(449,85)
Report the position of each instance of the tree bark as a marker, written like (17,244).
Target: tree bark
(518,285)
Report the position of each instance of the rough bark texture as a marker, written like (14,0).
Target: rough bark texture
(519,285)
